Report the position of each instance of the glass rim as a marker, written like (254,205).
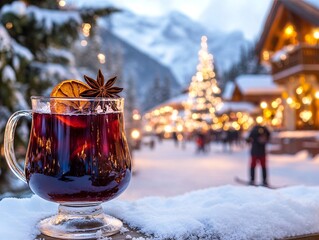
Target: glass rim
(104,99)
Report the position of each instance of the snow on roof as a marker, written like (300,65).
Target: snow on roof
(47,17)
(228,91)
(236,107)
(257,84)
(178,100)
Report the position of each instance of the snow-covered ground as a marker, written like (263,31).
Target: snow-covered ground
(168,171)
(195,195)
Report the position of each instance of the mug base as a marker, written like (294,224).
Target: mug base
(80,221)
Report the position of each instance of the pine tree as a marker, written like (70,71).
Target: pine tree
(165,89)
(35,38)
(153,94)
(203,91)
(247,64)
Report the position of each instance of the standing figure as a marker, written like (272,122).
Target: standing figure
(200,142)
(258,137)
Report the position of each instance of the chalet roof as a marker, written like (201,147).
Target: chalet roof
(307,9)
(226,107)
(228,91)
(257,84)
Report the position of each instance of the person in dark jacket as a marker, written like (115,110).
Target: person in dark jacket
(258,138)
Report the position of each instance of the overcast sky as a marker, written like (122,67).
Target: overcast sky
(225,15)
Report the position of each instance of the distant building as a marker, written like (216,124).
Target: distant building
(259,91)
(289,46)
(255,89)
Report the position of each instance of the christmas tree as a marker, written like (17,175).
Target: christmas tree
(203,92)
(35,42)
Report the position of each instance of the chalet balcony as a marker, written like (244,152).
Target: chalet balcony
(298,59)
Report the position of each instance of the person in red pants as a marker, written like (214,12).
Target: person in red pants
(258,137)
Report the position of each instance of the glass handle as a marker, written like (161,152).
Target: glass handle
(9,143)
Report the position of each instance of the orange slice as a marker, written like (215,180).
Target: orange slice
(68,89)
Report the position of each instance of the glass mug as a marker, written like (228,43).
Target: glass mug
(77,156)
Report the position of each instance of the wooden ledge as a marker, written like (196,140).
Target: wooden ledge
(135,234)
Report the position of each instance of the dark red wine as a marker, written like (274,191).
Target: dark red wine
(78,157)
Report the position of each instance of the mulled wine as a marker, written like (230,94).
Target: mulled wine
(78,157)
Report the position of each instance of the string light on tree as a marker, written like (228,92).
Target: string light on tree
(203,91)
(101,58)
(62,3)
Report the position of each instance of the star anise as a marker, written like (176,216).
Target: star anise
(99,89)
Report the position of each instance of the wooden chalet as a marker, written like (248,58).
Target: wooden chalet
(289,44)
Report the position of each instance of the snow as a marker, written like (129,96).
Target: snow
(16,63)
(247,107)
(282,53)
(177,100)
(17,8)
(8,74)
(176,193)
(62,53)
(167,38)
(21,51)
(225,212)
(21,102)
(53,71)
(6,43)
(298,134)
(228,91)
(48,18)
(5,40)
(256,84)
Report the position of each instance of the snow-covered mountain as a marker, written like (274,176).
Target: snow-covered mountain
(174,40)
(141,68)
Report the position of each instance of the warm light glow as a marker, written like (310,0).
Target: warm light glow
(86,28)
(305,115)
(299,90)
(148,128)
(136,116)
(274,104)
(179,128)
(317,95)
(168,128)
(266,55)
(9,25)
(259,119)
(289,100)
(84,43)
(289,30)
(101,58)
(62,3)
(316,33)
(306,100)
(135,134)
(263,105)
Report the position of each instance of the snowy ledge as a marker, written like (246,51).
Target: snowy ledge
(226,212)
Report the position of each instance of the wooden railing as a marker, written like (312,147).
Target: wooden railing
(302,54)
